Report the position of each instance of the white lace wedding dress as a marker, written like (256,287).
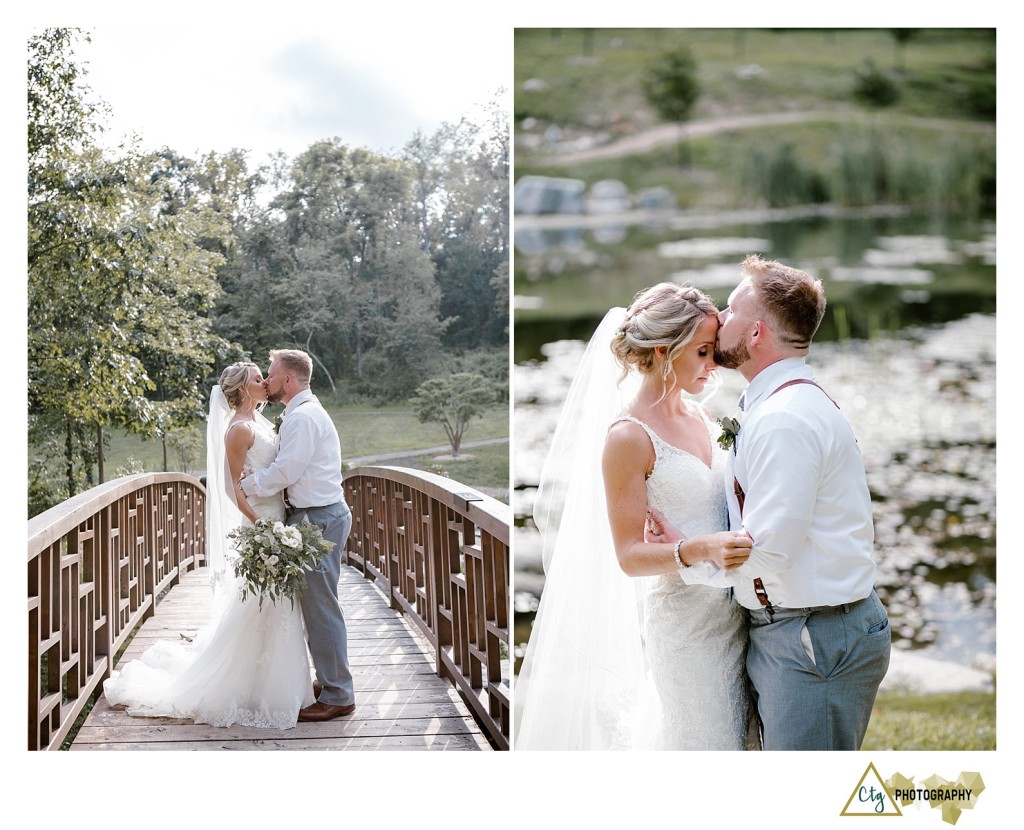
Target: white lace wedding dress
(249,666)
(695,637)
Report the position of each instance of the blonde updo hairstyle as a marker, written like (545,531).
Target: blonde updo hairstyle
(663,316)
(234,381)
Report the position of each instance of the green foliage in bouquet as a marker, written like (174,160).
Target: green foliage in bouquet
(273,557)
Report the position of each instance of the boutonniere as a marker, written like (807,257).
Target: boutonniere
(730,429)
(277,424)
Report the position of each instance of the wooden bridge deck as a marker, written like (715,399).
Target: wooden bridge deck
(400,703)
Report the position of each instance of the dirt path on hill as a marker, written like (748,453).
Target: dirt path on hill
(666,134)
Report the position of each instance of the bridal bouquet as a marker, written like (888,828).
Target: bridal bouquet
(273,556)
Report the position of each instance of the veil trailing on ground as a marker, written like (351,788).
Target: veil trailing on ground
(583,672)
(222,515)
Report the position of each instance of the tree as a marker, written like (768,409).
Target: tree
(117,286)
(902,37)
(340,272)
(453,401)
(672,88)
(460,186)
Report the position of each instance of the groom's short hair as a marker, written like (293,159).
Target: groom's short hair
(295,361)
(791,299)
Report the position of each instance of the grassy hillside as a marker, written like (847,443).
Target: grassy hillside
(363,431)
(580,88)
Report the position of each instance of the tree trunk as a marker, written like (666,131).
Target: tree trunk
(69,459)
(359,354)
(99,451)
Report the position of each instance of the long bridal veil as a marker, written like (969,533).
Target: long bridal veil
(222,514)
(583,671)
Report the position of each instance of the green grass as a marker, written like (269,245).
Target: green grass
(903,721)
(371,431)
(591,77)
(484,468)
(724,170)
(587,82)
(363,431)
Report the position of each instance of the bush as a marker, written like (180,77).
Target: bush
(491,363)
(873,87)
(778,177)
(46,486)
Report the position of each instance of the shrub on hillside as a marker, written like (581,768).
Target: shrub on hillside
(873,87)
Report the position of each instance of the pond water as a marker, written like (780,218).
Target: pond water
(908,350)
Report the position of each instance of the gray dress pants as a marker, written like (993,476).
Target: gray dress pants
(321,611)
(816,672)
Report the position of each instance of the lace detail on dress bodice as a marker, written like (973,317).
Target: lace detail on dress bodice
(260,455)
(695,636)
(684,488)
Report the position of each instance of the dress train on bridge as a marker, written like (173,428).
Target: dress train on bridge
(249,666)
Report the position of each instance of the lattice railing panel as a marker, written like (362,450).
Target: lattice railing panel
(95,566)
(441,552)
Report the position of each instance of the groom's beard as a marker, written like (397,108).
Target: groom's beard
(732,358)
(275,397)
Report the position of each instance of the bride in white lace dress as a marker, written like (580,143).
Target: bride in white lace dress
(623,654)
(249,666)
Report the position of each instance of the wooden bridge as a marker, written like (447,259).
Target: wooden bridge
(425,593)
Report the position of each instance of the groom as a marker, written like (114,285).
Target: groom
(795,481)
(308,469)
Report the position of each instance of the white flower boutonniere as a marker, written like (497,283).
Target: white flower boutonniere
(730,429)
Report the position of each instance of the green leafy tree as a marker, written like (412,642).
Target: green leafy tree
(383,269)
(117,285)
(460,176)
(338,271)
(671,87)
(453,401)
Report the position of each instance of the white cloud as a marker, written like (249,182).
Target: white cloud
(265,90)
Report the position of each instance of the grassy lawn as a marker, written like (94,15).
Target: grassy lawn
(589,78)
(363,431)
(588,82)
(902,721)
(484,468)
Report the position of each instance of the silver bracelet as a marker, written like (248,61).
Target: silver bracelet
(675,553)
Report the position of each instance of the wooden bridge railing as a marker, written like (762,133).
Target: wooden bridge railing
(440,551)
(96,564)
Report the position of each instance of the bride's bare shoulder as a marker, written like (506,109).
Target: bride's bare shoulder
(240,434)
(626,440)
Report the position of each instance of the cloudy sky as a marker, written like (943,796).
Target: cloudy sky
(268,88)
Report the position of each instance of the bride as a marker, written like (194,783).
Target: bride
(248,666)
(623,654)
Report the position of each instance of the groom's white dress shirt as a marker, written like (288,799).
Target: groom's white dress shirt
(807,505)
(308,462)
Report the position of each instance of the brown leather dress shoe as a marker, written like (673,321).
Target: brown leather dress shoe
(317,688)
(324,711)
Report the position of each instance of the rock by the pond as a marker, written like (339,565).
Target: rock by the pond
(919,674)
(543,194)
(656,198)
(608,196)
